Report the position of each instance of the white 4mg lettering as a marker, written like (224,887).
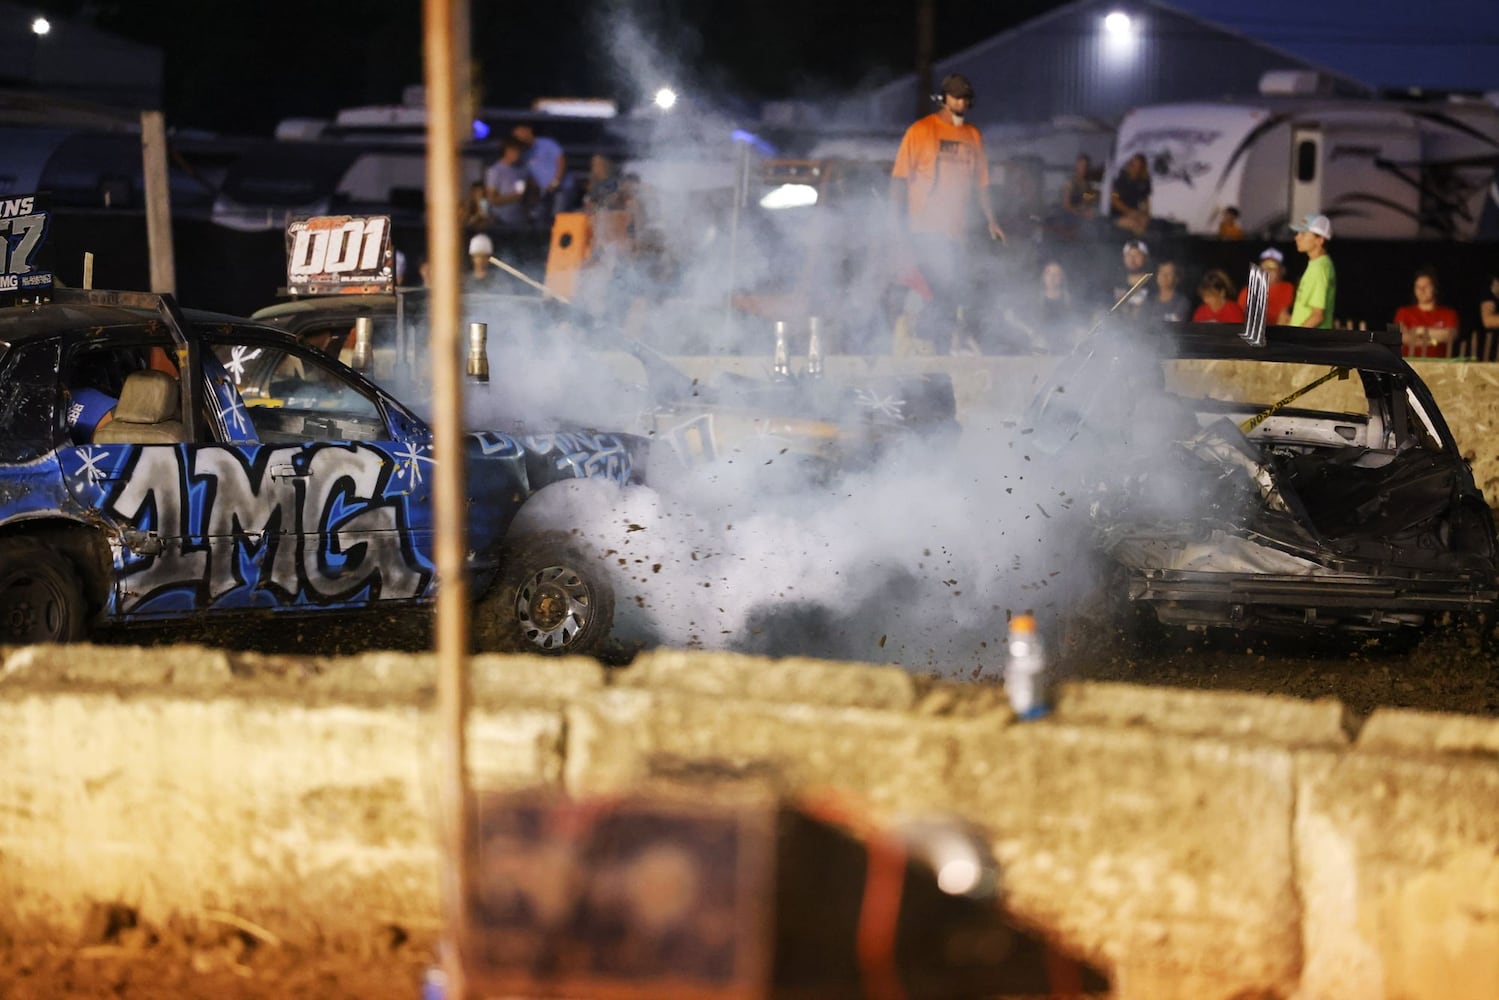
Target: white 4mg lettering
(354,246)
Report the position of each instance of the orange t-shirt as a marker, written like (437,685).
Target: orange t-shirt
(942,165)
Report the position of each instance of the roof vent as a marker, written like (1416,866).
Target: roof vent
(1291,82)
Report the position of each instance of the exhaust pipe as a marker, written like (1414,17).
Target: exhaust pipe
(814,347)
(364,332)
(478,351)
(781,365)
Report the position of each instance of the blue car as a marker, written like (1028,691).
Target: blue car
(160,465)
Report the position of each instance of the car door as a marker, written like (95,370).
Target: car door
(338,484)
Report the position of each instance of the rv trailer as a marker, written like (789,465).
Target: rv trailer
(1381,169)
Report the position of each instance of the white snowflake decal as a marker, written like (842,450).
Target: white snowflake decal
(409,465)
(90,468)
(238,357)
(886,405)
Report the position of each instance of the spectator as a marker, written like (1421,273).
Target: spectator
(482,277)
(476,209)
(1488,320)
(1228,224)
(1427,330)
(1080,193)
(601,192)
(506,185)
(1048,318)
(547,165)
(1167,303)
(1129,200)
(1136,257)
(1280,292)
(1317,292)
(940,171)
(1218,306)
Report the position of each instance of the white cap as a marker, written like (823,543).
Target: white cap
(1273,254)
(1139,245)
(1319,224)
(480,246)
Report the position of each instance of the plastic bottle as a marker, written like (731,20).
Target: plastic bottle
(1025,669)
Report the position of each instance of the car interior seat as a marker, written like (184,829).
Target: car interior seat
(148,412)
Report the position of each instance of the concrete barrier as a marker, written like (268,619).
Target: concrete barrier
(1000,387)
(1201,845)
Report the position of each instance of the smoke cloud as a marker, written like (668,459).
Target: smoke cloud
(790,538)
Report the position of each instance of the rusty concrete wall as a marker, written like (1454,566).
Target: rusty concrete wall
(1203,845)
(1468,393)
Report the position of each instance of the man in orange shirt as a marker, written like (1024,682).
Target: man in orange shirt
(940,170)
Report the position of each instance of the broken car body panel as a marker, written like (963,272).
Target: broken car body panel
(1306,482)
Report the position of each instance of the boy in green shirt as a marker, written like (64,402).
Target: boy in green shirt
(1318,288)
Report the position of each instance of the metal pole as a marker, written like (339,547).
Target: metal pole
(446,52)
(158,202)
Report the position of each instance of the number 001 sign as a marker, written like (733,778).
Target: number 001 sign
(339,253)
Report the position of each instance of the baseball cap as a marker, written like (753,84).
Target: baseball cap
(1270,253)
(1319,224)
(480,245)
(957,85)
(1138,245)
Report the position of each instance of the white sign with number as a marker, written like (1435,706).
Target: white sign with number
(339,253)
(23,227)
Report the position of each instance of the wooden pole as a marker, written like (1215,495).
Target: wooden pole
(446,59)
(926,44)
(158,202)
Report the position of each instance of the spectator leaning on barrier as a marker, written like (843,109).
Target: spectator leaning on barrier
(506,185)
(1280,292)
(1427,330)
(1317,291)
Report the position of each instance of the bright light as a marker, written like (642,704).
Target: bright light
(790,196)
(1118,23)
(665,98)
(41,26)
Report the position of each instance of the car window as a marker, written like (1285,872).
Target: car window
(94,373)
(1236,385)
(28,401)
(296,394)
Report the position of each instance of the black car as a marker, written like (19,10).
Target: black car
(1301,480)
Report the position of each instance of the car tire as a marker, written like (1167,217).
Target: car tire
(41,598)
(551,597)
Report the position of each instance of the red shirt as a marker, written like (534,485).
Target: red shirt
(1277,300)
(1440,318)
(1229,312)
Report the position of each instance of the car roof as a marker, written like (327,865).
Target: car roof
(30,320)
(1366,350)
(318,307)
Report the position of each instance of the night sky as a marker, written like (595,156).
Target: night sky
(239,66)
(242,66)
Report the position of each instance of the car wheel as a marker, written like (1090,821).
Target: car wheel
(41,599)
(552,597)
